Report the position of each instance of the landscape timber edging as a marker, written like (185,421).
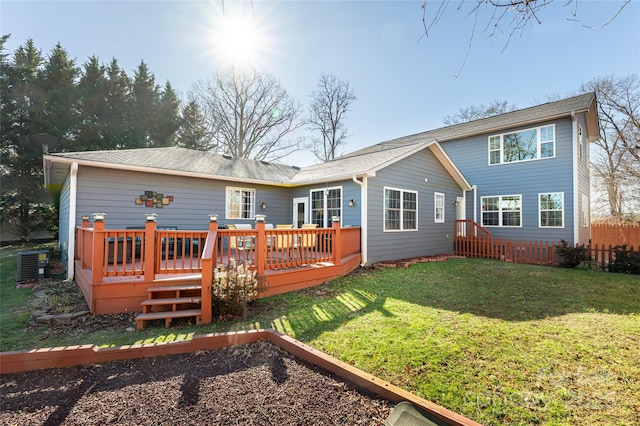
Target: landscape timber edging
(67,356)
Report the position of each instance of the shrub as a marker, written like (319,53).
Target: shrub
(626,261)
(570,255)
(232,288)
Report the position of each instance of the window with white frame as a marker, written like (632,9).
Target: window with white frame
(326,203)
(502,210)
(523,145)
(438,207)
(586,219)
(551,210)
(400,210)
(240,203)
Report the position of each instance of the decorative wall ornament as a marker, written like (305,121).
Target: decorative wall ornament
(154,199)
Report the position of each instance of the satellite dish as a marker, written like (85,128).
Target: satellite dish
(45,141)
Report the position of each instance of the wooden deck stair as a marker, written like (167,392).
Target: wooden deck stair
(169,302)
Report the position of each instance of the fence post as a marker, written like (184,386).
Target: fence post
(337,244)
(261,245)
(98,247)
(150,247)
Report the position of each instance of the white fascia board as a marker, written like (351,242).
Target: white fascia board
(449,165)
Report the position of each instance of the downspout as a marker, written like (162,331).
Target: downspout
(475,203)
(71,238)
(576,195)
(363,217)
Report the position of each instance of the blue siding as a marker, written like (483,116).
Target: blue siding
(63,222)
(431,238)
(194,199)
(527,179)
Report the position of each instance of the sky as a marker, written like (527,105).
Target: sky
(405,83)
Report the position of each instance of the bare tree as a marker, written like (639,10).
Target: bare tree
(476,112)
(328,110)
(616,159)
(250,115)
(505,17)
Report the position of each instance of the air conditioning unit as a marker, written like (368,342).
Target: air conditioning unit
(31,264)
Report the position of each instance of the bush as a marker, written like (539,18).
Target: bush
(232,288)
(570,255)
(626,261)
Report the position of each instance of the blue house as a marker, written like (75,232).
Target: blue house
(521,175)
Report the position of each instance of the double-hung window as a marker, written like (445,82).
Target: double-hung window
(325,203)
(523,145)
(400,210)
(551,210)
(438,210)
(240,203)
(502,210)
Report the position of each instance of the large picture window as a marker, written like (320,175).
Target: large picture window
(551,208)
(240,203)
(502,210)
(523,145)
(400,210)
(326,203)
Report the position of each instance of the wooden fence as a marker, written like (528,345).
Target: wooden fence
(614,235)
(531,252)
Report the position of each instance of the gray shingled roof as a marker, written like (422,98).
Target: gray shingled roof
(357,163)
(511,119)
(188,161)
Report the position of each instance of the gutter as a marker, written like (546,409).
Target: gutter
(363,217)
(576,191)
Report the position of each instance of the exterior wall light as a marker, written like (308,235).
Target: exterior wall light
(352,202)
(263,205)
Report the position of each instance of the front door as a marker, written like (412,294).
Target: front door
(300,211)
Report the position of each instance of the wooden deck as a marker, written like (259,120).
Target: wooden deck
(115,268)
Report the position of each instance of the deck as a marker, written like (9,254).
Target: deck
(115,268)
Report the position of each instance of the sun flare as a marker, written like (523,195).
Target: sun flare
(238,40)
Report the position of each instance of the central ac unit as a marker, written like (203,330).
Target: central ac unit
(31,264)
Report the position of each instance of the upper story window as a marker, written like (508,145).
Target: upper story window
(438,207)
(523,145)
(502,210)
(400,210)
(240,203)
(326,203)
(551,208)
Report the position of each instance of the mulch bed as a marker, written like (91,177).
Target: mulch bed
(254,384)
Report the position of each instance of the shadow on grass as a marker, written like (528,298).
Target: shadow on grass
(484,288)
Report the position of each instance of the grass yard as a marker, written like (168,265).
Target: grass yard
(497,342)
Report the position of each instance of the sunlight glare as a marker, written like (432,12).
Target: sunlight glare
(238,40)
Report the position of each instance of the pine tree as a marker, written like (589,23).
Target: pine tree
(193,132)
(166,120)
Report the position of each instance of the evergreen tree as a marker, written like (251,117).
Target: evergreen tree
(24,204)
(144,100)
(92,106)
(118,116)
(193,132)
(166,118)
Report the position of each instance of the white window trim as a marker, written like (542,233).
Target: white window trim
(586,211)
(326,220)
(252,206)
(402,191)
(500,225)
(435,207)
(538,145)
(540,211)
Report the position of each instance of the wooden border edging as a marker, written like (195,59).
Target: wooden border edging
(67,356)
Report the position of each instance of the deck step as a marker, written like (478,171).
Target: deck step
(174,291)
(168,303)
(167,316)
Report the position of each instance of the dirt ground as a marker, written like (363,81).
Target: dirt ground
(254,384)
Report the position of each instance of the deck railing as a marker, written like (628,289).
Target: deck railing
(150,251)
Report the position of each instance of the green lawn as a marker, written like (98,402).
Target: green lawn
(498,342)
